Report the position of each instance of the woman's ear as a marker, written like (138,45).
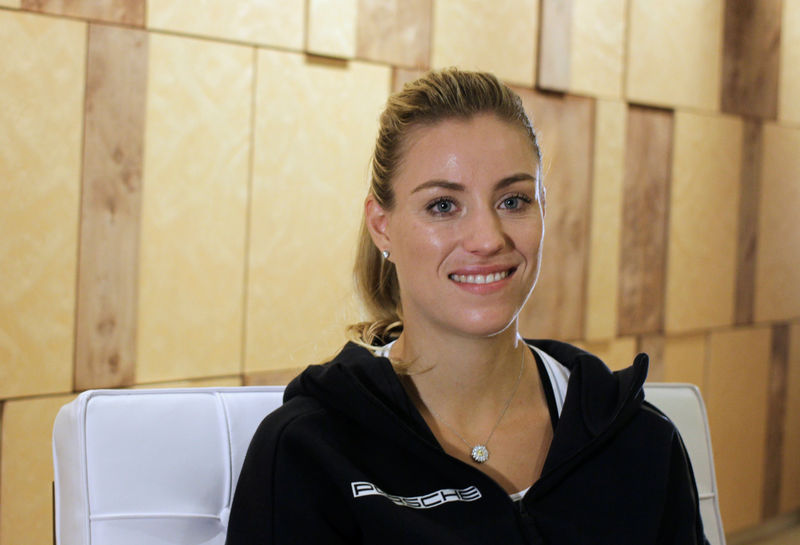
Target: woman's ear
(377,220)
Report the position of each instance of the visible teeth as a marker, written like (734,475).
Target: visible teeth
(479,278)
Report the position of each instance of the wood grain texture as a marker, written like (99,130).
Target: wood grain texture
(127,12)
(751,57)
(279,377)
(105,353)
(790,470)
(644,221)
(653,346)
(776,415)
(555,45)
(748,223)
(565,129)
(395,32)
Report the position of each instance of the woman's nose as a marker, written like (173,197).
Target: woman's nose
(483,233)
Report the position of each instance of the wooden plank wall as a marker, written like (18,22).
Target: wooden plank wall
(182,183)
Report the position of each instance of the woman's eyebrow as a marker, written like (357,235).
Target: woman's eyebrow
(455,186)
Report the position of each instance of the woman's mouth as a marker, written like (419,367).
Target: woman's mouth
(481,278)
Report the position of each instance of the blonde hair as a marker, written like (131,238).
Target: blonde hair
(435,97)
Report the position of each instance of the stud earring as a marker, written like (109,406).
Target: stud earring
(385,254)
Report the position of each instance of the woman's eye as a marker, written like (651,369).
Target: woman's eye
(442,206)
(514,202)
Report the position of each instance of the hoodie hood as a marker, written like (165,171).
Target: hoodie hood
(598,401)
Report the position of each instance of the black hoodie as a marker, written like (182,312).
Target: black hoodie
(348,459)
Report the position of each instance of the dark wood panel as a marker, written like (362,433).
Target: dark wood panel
(127,12)
(395,32)
(644,221)
(555,45)
(751,57)
(776,415)
(105,350)
(748,223)
(565,127)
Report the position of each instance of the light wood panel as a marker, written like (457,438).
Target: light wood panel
(616,353)
(279,23)
(127,12)
(644,221)
(778,259)
(105,354)
(395,32)
(737,400)
(606,219)
(26,470)
(500,37)
(332,27)
(653,346)
(751,56)
(194,209)
(701,264)
(565,129)
(674,53)
(789,79)
(40,155)
(685,360)
(555,50)
(314,133)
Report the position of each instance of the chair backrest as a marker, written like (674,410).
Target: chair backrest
(152,467)
(683,404)
(158,467)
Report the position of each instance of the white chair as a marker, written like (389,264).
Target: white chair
(152,467)
(683,404)
(158,467)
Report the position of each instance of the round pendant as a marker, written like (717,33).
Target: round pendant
(480,453)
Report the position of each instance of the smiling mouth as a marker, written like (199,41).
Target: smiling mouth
(481,278)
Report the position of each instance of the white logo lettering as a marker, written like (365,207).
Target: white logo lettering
(439,497)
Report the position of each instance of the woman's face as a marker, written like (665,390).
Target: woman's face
(466,230)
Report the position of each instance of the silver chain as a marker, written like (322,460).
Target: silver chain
(480,452)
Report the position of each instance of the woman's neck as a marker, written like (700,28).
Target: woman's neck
(463,379)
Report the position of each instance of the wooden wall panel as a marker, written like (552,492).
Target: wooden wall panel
(105,352)
(737,399)
(751,56)
(500,37)
(332,27)
(271,23)
(789,80)
(701,264)
(746,248)
(778,259)
(565,129)
(127,12)
(606,219)
(598,47)
(653,346)
(40,155)
(300,265)
(790,467)
(644,221)
(194,209)
(685,360)
(776,414)
(616,353)
(554,45)
(26,470)
(674,56)
(395,32)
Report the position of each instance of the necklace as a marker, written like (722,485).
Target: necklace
(480,452)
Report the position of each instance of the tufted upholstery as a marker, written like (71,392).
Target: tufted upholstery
(158,467)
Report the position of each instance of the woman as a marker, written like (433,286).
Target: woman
(438,423)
